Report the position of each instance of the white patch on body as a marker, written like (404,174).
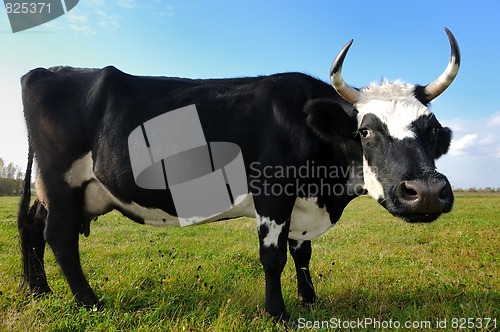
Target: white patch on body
(40,190)
(297,247)
(243,207)
(308,220)
(372,184)
(98,200)
(394,104)
(273,230)
(80,171)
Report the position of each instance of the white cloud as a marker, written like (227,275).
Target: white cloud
(462,146)
(126,4)
(84,29)
(90,16)
(73,18)
(78,23)
(476,137)
(108,21)
(494,120)
(474,156)
(470,171)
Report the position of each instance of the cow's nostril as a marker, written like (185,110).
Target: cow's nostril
(444,194)
(408,192)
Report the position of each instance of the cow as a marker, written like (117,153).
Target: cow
(381,140)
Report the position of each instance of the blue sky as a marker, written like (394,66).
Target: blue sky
(202,39)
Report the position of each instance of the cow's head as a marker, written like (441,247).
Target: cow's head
(401,139)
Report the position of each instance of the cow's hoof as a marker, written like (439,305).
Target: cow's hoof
(307,299)
(98,306)
(88,300)
(40,291)
(282,317)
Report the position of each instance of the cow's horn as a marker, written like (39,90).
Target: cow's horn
(435,88)
(343,89)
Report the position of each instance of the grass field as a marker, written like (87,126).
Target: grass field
(208,278)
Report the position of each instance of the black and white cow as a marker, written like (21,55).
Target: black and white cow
(380,140)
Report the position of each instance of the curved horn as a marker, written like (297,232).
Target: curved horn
(343,89)
(437,87)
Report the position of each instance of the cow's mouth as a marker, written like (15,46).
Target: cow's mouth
(417,217)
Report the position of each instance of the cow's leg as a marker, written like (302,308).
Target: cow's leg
(62,232)
(32,245)
(301,253)
(273,221)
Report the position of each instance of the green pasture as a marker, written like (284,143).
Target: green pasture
(209,278)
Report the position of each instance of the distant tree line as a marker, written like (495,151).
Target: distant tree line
(478,190)
(11,179)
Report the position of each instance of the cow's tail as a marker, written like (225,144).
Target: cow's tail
(23,215)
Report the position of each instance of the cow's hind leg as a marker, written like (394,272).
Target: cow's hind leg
(301,252)
(32,244)
(62,232)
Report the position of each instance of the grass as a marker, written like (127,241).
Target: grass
(208,278)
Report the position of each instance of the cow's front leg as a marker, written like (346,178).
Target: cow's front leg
(273,236)
(273,224)
(301,252)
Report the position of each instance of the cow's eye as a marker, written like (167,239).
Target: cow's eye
(365,132)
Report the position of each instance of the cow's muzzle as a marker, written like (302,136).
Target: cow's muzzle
(424,201)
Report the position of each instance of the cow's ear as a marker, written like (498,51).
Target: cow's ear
(329,118)
(443,143)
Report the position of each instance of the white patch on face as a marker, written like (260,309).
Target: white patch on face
(372,184)
(308,220)
(273,230)
(394,104)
